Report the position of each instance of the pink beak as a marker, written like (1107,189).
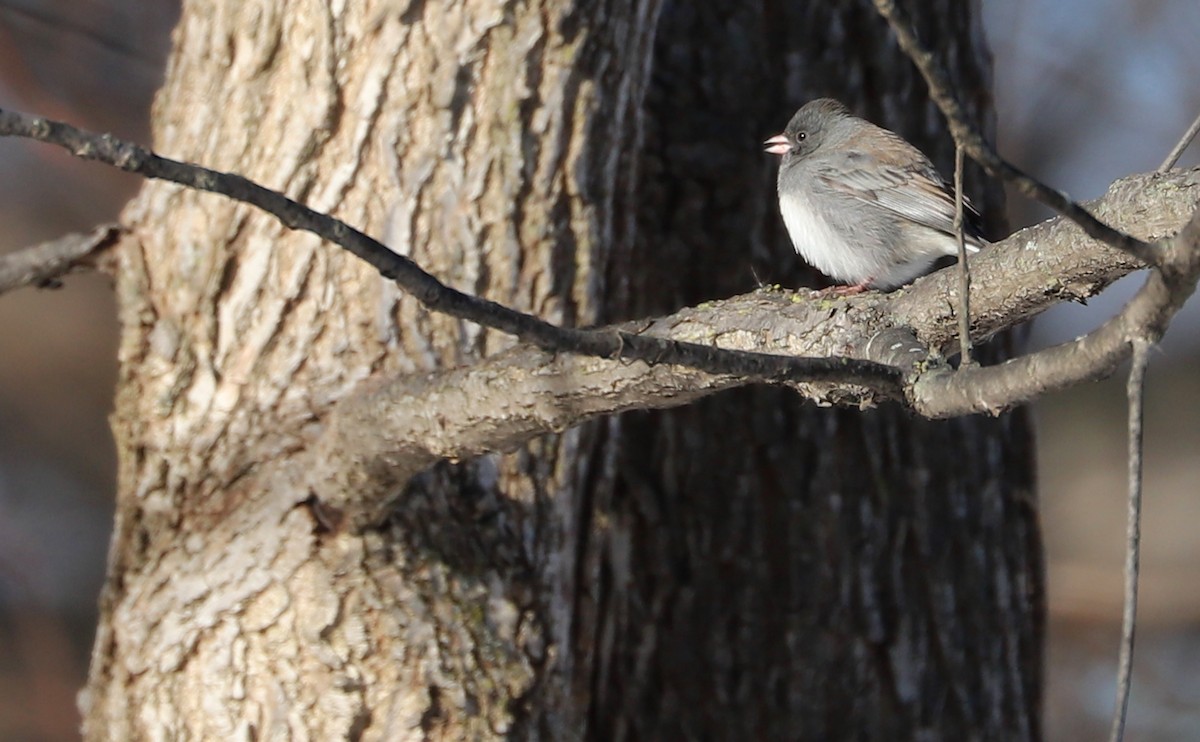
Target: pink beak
(778,145)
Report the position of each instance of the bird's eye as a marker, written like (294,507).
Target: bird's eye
(801,136)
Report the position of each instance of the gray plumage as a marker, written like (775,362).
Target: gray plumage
(860,204)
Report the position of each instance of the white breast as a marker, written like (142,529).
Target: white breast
(822,246)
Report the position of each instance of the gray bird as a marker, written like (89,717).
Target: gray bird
(861,204)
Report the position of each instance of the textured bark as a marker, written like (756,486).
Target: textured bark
(785,572)
(467,135)
(741,568)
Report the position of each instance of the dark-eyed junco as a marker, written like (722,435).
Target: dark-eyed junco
(862,205)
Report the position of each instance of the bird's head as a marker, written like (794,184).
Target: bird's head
(809,128)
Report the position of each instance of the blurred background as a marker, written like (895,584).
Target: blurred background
(1087,91)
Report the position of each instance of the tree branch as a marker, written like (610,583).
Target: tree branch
(1093,356)
(1182,145)
(381,435)
(966,135)
(964,268)
(852,351)
(42,264)
(436,296)
(1050,262)
(1135,390)
(378,437)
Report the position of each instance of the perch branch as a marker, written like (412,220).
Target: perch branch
(867,363)
(433,294)
(992,389)
(381,434)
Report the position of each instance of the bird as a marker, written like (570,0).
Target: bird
(861,204)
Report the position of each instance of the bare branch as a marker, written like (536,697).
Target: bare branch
(380,435)
(964,270)
(1050,262)
(864,367)
(1093,356)
(436,296)
(42,264)
(1178,149)
(1135,389)
(942,92)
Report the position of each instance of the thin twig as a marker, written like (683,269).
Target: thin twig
(1133,534)
(964,271)
(42,264)
(438,297)
(1182,145)
(942,92)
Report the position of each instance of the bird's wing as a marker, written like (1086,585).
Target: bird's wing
(914,191)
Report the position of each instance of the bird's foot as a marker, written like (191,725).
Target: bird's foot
(851,290)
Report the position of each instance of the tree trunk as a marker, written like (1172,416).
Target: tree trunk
(743,568)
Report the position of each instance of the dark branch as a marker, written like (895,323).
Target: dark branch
(437,296)
(942,92)
(884,369)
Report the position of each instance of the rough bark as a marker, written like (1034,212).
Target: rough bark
(743,568)
(802,573)
(468,135)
